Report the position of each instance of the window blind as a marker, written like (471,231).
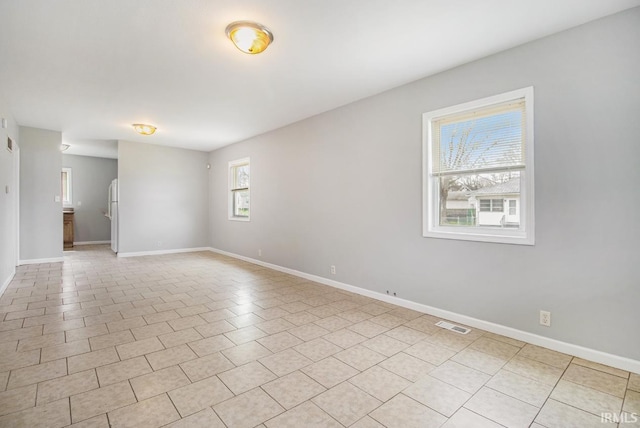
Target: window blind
(481,140)
(240,177)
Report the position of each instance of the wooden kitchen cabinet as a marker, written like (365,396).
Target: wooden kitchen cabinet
(68,230)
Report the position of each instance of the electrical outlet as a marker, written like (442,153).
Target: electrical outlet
(259,253)
(545,318)
(333,270)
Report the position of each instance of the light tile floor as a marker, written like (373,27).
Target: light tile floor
(202,340)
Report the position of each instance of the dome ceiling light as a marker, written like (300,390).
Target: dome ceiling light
(144,129)
(249,37)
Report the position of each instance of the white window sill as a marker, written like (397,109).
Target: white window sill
(490,235)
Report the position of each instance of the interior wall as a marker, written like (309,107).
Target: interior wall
(163,198)
(40,212)
(8,199)
(91,177)
(345,188)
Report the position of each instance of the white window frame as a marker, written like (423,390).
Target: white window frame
(69,190)
(232,190)
(525,234)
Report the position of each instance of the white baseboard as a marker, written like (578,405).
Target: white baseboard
(39,261)
(611,360)
(8,281)
(160,252)
(91,242)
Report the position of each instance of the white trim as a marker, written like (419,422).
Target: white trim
(16,201)
(611,360)
(161,252)
(8,281)
(39,261)
(91,242)
(430,197)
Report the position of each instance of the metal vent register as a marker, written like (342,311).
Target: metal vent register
(453,327)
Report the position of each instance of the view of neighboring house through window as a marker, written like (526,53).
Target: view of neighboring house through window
(239,195)
(66,181)
(478,178)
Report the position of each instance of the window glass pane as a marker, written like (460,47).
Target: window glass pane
(241,203)
(493,141)
(241,176)
(65,196)
(477,200)
(65,184)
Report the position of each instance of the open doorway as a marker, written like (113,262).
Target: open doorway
(87,172)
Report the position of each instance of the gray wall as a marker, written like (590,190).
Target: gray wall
(344,188)
(91,177)
(163,198)
(8,201)
(40,215)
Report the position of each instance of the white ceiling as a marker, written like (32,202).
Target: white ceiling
(91,68)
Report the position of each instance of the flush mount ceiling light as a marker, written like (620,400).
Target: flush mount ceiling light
(249,37)
(143,129)
(64,147)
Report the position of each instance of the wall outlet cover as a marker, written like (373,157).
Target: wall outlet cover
(545,318)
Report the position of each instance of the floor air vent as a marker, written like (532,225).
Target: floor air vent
(453,327)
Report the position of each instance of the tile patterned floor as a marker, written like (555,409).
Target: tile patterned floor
(202,340)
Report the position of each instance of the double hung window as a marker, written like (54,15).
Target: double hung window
(239,194)
(478,170)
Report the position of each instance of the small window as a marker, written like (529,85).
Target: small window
(67,187)
(239,194)
(491,205)
(478,170)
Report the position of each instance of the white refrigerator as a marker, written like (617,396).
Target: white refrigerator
(112,213)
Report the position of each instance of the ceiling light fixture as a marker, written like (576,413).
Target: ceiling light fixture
(143,129)
(64,147)
(249,37)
